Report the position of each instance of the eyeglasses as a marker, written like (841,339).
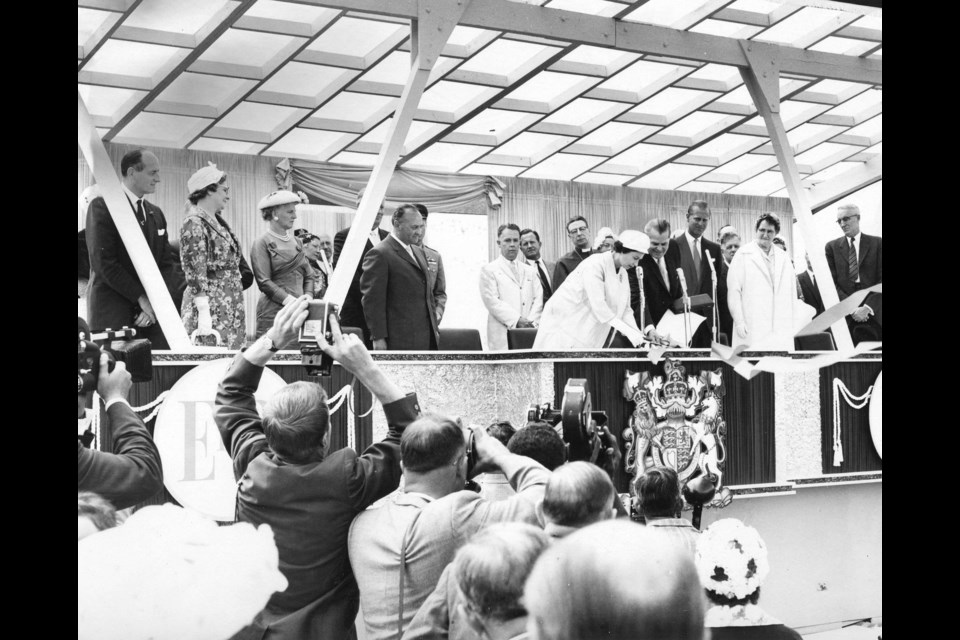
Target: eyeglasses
(846,219)
(574,232)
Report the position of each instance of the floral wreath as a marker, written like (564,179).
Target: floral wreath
(731,559)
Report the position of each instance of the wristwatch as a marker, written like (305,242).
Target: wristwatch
(267,342)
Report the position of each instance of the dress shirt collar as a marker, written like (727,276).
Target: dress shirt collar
(403,244)
(132,196)
(856,240)
(691,239)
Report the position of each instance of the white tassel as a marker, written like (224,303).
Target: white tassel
(840,390)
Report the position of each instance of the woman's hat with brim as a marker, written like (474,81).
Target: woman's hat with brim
(277,198)
(204,177)
(635,241)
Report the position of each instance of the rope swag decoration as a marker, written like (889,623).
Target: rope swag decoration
(840,390)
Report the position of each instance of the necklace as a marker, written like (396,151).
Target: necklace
(285,237)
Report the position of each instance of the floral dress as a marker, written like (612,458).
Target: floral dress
(210,256)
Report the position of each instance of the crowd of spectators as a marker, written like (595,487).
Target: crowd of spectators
(543,546)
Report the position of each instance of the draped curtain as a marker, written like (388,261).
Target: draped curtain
(546,206)
(338,184)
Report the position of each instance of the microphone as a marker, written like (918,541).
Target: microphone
(710,262)
(683,282)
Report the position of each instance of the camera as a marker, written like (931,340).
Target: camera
(580,423)
(317,325)
(120,346)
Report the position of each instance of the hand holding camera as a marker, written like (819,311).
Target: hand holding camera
(289,319)
(347,349)
(113,384)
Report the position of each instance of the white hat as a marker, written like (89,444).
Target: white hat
(731,559)
(204,177)
(278,197)
(635,241)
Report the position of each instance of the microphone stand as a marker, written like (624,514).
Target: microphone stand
(643,302)
(716,309)
(686,309)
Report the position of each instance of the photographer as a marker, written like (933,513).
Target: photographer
(399,550)
(288,480)
(132,473)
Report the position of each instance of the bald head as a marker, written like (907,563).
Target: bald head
(578,494)
(615,580)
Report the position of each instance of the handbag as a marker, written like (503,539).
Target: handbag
(246,274)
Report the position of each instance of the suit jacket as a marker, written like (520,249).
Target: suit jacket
(114,284)
(811,293)
(397,300)
(508,299)
(869,259)
(436,280)
(434,530)
(700,283)
(309,507)
(129,475)
(870,262)
(546,284)
(351,313)
(659,294)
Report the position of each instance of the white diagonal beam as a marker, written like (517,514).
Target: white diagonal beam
(435,20)
(826,193)
(130,233)
(580,28)
(762,79)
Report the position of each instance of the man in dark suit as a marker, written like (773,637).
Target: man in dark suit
(397,300)
(856,262)
(661,284)
(351,312)
(436,279)
(695,255)
(116,296)
(291,480)
(530,246)
(809,289)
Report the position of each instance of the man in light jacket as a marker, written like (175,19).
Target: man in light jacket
(510,290)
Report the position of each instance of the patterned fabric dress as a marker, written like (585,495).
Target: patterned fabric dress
(211,257)
(281,270)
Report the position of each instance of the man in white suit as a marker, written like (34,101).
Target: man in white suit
(510,290)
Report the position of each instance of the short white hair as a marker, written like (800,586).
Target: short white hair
(849,207)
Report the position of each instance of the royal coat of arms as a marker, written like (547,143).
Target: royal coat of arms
(676,423)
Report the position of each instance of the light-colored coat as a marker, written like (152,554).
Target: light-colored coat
(508,300)
(769,308)
(579,314)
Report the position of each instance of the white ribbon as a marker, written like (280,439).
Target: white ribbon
(840,390)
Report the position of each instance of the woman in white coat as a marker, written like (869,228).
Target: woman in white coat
(593,299)
(762,292)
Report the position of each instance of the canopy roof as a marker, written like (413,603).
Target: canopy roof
(642,94)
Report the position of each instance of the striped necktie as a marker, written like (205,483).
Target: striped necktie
(853,264)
